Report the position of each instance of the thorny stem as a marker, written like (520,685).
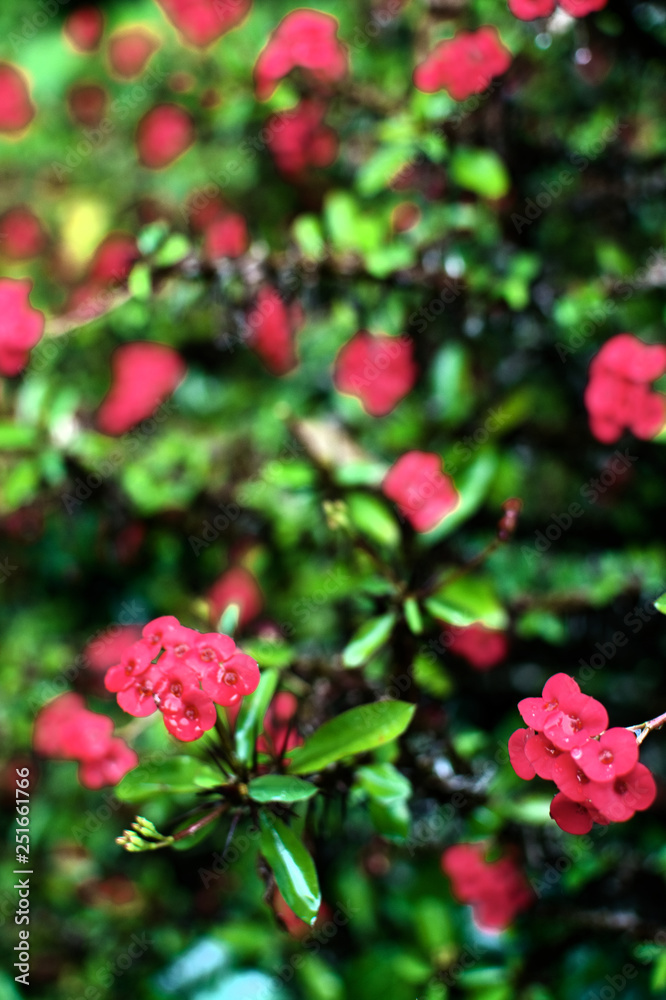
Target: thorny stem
(643,729)
(195,827)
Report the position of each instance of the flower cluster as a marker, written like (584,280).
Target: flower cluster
(595,769)
(236,586)
(21,326)
(482,647)
(618,394)
(299,139)
(306,39)
(130,50)
(226,235)
(463,65)
(380,370)
(496,890)
(423,493)
(280,734)
(202,22)
(66,730)
(21,234)
(271,330)
(144,375)
(183,673)
(16,108)
(84,28)
(529,10)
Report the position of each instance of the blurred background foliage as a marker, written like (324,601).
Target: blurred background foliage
(530,300)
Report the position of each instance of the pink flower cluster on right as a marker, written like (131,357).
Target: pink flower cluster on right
(595,769)
(463,65)
(496,890)
(306,39)
(618,394)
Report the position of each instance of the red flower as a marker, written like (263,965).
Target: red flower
(497,890)
(114,258)
(615,753)
(210,651)
(542,755)
(202,22)
(572,817)
(618,393)
(272,328)
(463,65)
(21,326)
(536,711)
(194,717)
(579,8)
(482,647)
(528,10)
(379,370)
(162,633)
(517,756)
(130,50)
(423,493)
(280,734)
(16,108)
(163,134)
(569,778)
(174,686)
(21,234)
(83,28)
(226,236)
(110,768)
(307,39)
(133,662)
(298,139)
(144,375)
(138,697)
(52,725)
(228,681)
(578,718)
(620,798)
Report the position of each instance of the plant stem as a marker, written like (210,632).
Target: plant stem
(644,728)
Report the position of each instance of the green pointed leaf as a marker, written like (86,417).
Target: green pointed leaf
(250,722)
(173,775)
(660,604)
(280,788)
(174,250)
(481,171)
(413,615)
(356,731)
(372,517)
(472,483)
(370,637)
(292,866)
(139,282)
(383,782)
(466,600)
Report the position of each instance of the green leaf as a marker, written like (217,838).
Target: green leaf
(280,788)
(174,250)
(660,604)
(384,260)
(466,600)
(355,731)
(173,775)
(370,637)
(14,436)
(139,282)
(292,866)
(413,615)
(481,171)
(250,720)
(383,782)
(372,517)
(473,484)
(307,233)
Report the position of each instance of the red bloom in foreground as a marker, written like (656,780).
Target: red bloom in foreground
(16,108)
(65,729)
(202,22)
(463,65)
(165,668)
(144,375)
(379,370)
(106,649)
(21,326)
(130,50)
(482,647)
(163,134)
(226,236)
(83,28)
(272,326)
(497,890)
(307,39)
(236,586)
(21,234)
(618,393)
(422,492)
(298,139)
(595,769)
(529,10)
